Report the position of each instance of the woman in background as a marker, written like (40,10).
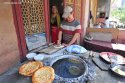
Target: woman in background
(55,23)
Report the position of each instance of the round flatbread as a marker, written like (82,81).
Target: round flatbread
(29,68)
(58,46)
(43,75)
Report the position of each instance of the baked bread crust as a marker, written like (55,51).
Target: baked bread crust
(43,75)
(29,68)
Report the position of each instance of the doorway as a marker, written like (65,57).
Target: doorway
(56,11)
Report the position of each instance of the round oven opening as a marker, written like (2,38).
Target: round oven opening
(69,66)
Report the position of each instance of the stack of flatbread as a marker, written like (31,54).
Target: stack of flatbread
(39,73)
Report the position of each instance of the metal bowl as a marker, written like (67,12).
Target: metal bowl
(30,56)
(119,70)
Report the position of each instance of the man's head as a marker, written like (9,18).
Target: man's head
(106,18)
(68,13)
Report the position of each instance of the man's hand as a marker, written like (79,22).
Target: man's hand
(59,38)
(75,38)
(65,44)
(58,42)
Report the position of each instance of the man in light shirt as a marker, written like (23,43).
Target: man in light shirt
(70,28)
(107,22)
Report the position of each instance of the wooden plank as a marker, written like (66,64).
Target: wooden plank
(114,31)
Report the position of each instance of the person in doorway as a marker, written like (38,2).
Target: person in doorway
(90,19)
(55,23)
(107,22)
(70,28)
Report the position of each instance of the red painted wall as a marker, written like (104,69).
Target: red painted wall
(121,34)
(121,37)
(9,52)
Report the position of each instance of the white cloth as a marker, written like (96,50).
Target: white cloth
(118,47)
(107,23)
(76,49)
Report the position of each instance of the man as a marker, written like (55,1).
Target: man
(107,22)
(70,28)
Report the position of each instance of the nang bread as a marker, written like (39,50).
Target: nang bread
(29,68)
(43,75)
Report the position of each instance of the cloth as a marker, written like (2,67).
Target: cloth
(76,49)
(55,32)
(55,20)
(69,29)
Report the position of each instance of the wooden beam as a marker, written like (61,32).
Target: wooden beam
(18,22)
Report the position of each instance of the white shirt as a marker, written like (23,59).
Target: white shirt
(107,23)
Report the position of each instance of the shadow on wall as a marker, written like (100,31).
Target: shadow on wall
(9,54)
(121,36)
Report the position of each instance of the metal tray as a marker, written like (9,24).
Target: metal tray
(50,50)
(118,59)
(119,70)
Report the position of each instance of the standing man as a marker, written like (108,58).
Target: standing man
(107,22)
(70,28)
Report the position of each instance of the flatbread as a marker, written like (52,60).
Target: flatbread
(43,75)
(29,68)
(58,46)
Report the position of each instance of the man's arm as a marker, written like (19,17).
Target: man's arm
(75,37)
(59,37)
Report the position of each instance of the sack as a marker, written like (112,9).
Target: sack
(76,49)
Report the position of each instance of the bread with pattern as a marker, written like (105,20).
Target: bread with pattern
(29,68)
(43,75)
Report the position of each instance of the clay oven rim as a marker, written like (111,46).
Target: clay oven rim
(70,56)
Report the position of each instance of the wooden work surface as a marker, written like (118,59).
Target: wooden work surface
(49,50)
